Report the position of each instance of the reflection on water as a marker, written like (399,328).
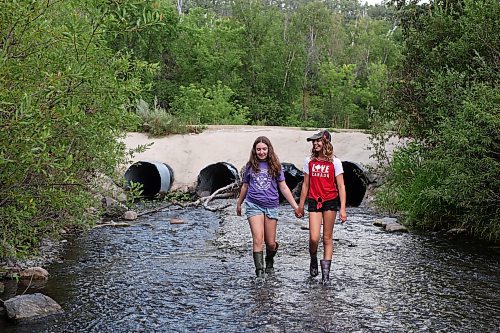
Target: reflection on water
(159,277)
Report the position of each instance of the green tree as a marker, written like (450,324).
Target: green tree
(444,99)
(144,30)
(206,50)
(338,89)
(63,104)
(198,105)
(271,62)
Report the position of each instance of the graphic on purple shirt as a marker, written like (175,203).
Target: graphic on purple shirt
(262,187)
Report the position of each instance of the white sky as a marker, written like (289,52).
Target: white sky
(378,2)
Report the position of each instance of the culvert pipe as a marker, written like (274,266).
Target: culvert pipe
(215,176)
(156,177)
(356,183)
(293,179)
(355,180)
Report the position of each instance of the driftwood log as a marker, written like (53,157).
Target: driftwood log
(222,193)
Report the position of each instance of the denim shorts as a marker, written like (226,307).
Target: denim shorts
(252,209)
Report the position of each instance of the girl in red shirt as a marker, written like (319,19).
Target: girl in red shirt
(324,190)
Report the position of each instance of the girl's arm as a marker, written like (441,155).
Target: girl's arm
(243,194)
(341,188)
(303,193)
(288,195)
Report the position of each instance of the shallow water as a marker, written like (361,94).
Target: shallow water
(198,277)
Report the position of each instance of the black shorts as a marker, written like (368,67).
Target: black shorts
(312,205)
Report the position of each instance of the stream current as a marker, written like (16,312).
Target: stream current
(198,276)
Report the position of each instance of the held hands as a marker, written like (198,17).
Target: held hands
(299,212)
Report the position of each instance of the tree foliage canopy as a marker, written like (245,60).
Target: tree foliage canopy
(444,98)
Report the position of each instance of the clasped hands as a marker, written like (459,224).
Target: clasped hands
(299,212)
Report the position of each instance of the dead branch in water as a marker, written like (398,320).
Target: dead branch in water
(206,200)
(222,193)
(231,186)
(113,224)
(155,210)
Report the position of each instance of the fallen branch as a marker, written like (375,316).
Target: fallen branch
(206,200)
(155,210)
(214,209)
(113,224)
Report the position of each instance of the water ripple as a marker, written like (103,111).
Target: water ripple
(198,277)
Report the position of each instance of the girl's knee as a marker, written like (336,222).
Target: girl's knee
(327,241)
(271,244)
(314,241)
(258,242)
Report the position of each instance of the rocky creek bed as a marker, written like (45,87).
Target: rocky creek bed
(185,270)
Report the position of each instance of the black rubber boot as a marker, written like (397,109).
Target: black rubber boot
(258,260)
(270,259)
(325,270)
(313,266)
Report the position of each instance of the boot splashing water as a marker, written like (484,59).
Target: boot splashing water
(258,260)
(313,266)
(270,259)
(325,271)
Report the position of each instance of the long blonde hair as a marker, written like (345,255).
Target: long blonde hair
(325,153)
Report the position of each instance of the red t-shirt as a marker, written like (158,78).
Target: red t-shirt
(322,181)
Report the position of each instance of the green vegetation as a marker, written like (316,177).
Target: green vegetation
(444,99)
(294,63)
(75,75)
(157,121)
(64,102)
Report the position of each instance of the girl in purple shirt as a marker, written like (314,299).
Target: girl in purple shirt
(262,177)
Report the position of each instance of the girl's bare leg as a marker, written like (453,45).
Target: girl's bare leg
(314,235)
(328,223)
(271,244)
(270,233)
(256,223)
(314,231)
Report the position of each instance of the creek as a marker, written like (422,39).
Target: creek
(198,276)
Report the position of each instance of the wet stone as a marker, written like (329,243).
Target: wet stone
(395,227)
(31,306)
(175,220)
(129,215)
(35,273)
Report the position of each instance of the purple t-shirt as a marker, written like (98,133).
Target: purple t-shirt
(262,187)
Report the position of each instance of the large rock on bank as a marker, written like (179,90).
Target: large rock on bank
(32,306)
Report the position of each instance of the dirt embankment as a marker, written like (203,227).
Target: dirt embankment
(187,154)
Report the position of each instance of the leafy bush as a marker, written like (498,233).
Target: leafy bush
(62,109)
(199,105)
(157,121)
(445,100)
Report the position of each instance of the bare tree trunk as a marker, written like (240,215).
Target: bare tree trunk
(305,102)
(289,61)
(179,6)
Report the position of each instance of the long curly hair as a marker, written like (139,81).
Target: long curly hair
(272,158)
(325,153)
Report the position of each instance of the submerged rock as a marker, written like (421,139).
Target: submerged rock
(176,220)
(390,224)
